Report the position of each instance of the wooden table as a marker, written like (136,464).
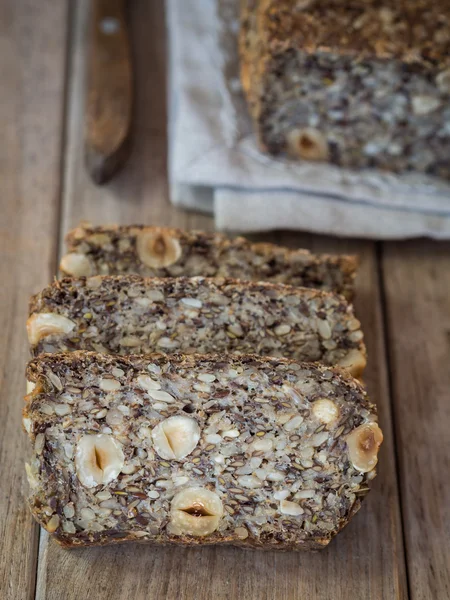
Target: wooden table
(397,547)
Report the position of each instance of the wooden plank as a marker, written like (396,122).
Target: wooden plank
(366,561)
(32,56)
(139,191)
(417,281)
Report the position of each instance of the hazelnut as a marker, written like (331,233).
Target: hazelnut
(98,459)
(307,143)
(354,361)
(176,437)
(156,248)
(40,325)
(363,444)
(195,511)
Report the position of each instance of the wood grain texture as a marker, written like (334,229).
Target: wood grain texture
(417,283)
(32,55)
(139,190)
(366,561)
(109,90)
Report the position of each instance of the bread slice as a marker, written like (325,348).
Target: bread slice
(359,84)
(136,315)
(164,252)
(256,452)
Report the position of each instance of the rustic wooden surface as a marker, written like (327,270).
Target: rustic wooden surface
(417,289)
(32,59)
(396,546)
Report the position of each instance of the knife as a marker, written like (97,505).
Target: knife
(109,91)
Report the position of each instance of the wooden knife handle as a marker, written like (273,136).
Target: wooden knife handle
(109,91)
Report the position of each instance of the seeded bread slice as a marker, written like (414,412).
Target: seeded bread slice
(134,315)
(359,84)
(256,452)
(164,252)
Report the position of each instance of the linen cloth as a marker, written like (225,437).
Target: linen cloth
(216,167)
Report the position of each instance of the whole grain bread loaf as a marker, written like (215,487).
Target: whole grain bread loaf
(164,252)
(256,452)
(130,314)
(360,84)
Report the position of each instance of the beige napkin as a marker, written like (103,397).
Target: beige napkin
(215,165)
